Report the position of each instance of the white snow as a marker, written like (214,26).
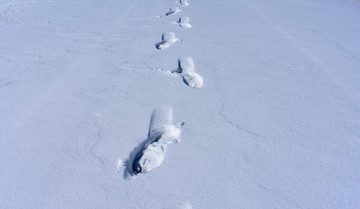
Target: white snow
(275,125)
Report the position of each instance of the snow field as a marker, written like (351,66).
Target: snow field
(277,125)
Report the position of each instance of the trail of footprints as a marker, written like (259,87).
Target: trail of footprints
(186,67)
(150,154)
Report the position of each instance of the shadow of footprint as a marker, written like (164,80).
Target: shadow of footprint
(134,154)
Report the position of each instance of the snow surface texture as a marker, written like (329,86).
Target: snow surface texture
(167,39)
(184,22)
(161,133)
(277,125)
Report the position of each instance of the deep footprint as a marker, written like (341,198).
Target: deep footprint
(184,22)
(167,39)
(173,11)
(184,2)
(162,132)
(186,68)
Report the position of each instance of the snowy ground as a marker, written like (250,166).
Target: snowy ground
(276,123)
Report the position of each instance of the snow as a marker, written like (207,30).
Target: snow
(275,124)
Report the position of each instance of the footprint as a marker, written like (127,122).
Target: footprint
(167,40)
(184,22)
(186,68)
(184,2)
(162,132)
(173,11)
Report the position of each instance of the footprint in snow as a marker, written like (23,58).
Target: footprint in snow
(173,11)
(184,3)
(184,22)
(151,153)
(167,40)
(186,69)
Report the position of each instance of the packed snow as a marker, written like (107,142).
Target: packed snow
(272,119)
